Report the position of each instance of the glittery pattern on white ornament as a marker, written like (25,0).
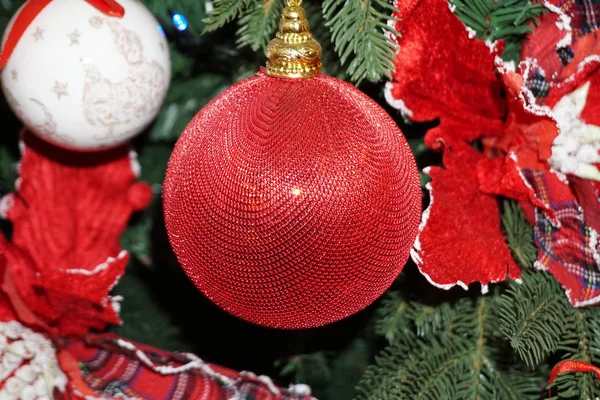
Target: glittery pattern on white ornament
(84,80)
(29,369)
(110,104)
(576,149)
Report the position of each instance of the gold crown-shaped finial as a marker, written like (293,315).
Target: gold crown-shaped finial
(294,53)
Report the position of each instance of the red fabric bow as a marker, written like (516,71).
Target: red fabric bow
(32,8)
(571,366)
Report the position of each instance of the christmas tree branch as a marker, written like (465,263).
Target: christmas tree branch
(360,33)
(532,316)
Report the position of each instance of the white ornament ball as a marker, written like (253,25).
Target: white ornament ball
(84,80)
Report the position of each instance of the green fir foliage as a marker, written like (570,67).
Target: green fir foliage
(225,11)
(532,316)
(258,24)
(519,234)
(461,356)
(510,20)
(360,33)
(581,341)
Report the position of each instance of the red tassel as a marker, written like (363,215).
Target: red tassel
(572,366)
(108,7)
(32,8)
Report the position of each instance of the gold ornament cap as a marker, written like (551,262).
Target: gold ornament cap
(294,53)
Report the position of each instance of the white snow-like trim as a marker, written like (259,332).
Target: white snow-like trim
(590,302)
(563,23)
(527,98)
(539,266)
(392,24)
(519,281)
(588,60)
(115,303)
(594,245)
(424,218)
(398,104)
(446,286)
(504,66)
(485,289)
(195,363)
(576,149)
(6,203)
(299,389)
(29,364)
(265,380)
(102,267)
(136,168)
(471,32)
(208,6)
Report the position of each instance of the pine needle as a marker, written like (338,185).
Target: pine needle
(519,233)
(225,11)
(359,31)
(581,341)
(532,316)
(258,24)
(467,359)
(509,20)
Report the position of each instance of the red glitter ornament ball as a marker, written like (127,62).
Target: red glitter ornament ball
(292,203)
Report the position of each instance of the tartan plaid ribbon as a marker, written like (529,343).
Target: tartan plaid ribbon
(585,15)
(569,249)
(584,18)
(118,369)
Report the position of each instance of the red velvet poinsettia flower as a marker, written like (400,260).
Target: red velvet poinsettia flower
(64,256)
(564,55)
(450,75)
(543,151)
(455,247)
(444,73)
(526,143)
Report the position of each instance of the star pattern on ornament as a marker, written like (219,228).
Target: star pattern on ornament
(576,149)
(61,89)
(38,34)
(74,36)
(15,74)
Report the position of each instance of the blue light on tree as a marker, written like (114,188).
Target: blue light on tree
(180,22)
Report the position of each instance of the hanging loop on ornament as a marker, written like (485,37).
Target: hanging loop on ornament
(32,8)
(294,53)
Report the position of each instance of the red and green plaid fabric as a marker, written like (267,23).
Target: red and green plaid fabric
(569,249)
(118,369)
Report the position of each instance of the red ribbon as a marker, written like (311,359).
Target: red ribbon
(32,8)
(572,366)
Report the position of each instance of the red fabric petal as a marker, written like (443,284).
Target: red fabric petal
(68,216)
(541,44)
(458,247)
(527,132)
(591,111)
(442,73)
(585,66)
(501,176)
